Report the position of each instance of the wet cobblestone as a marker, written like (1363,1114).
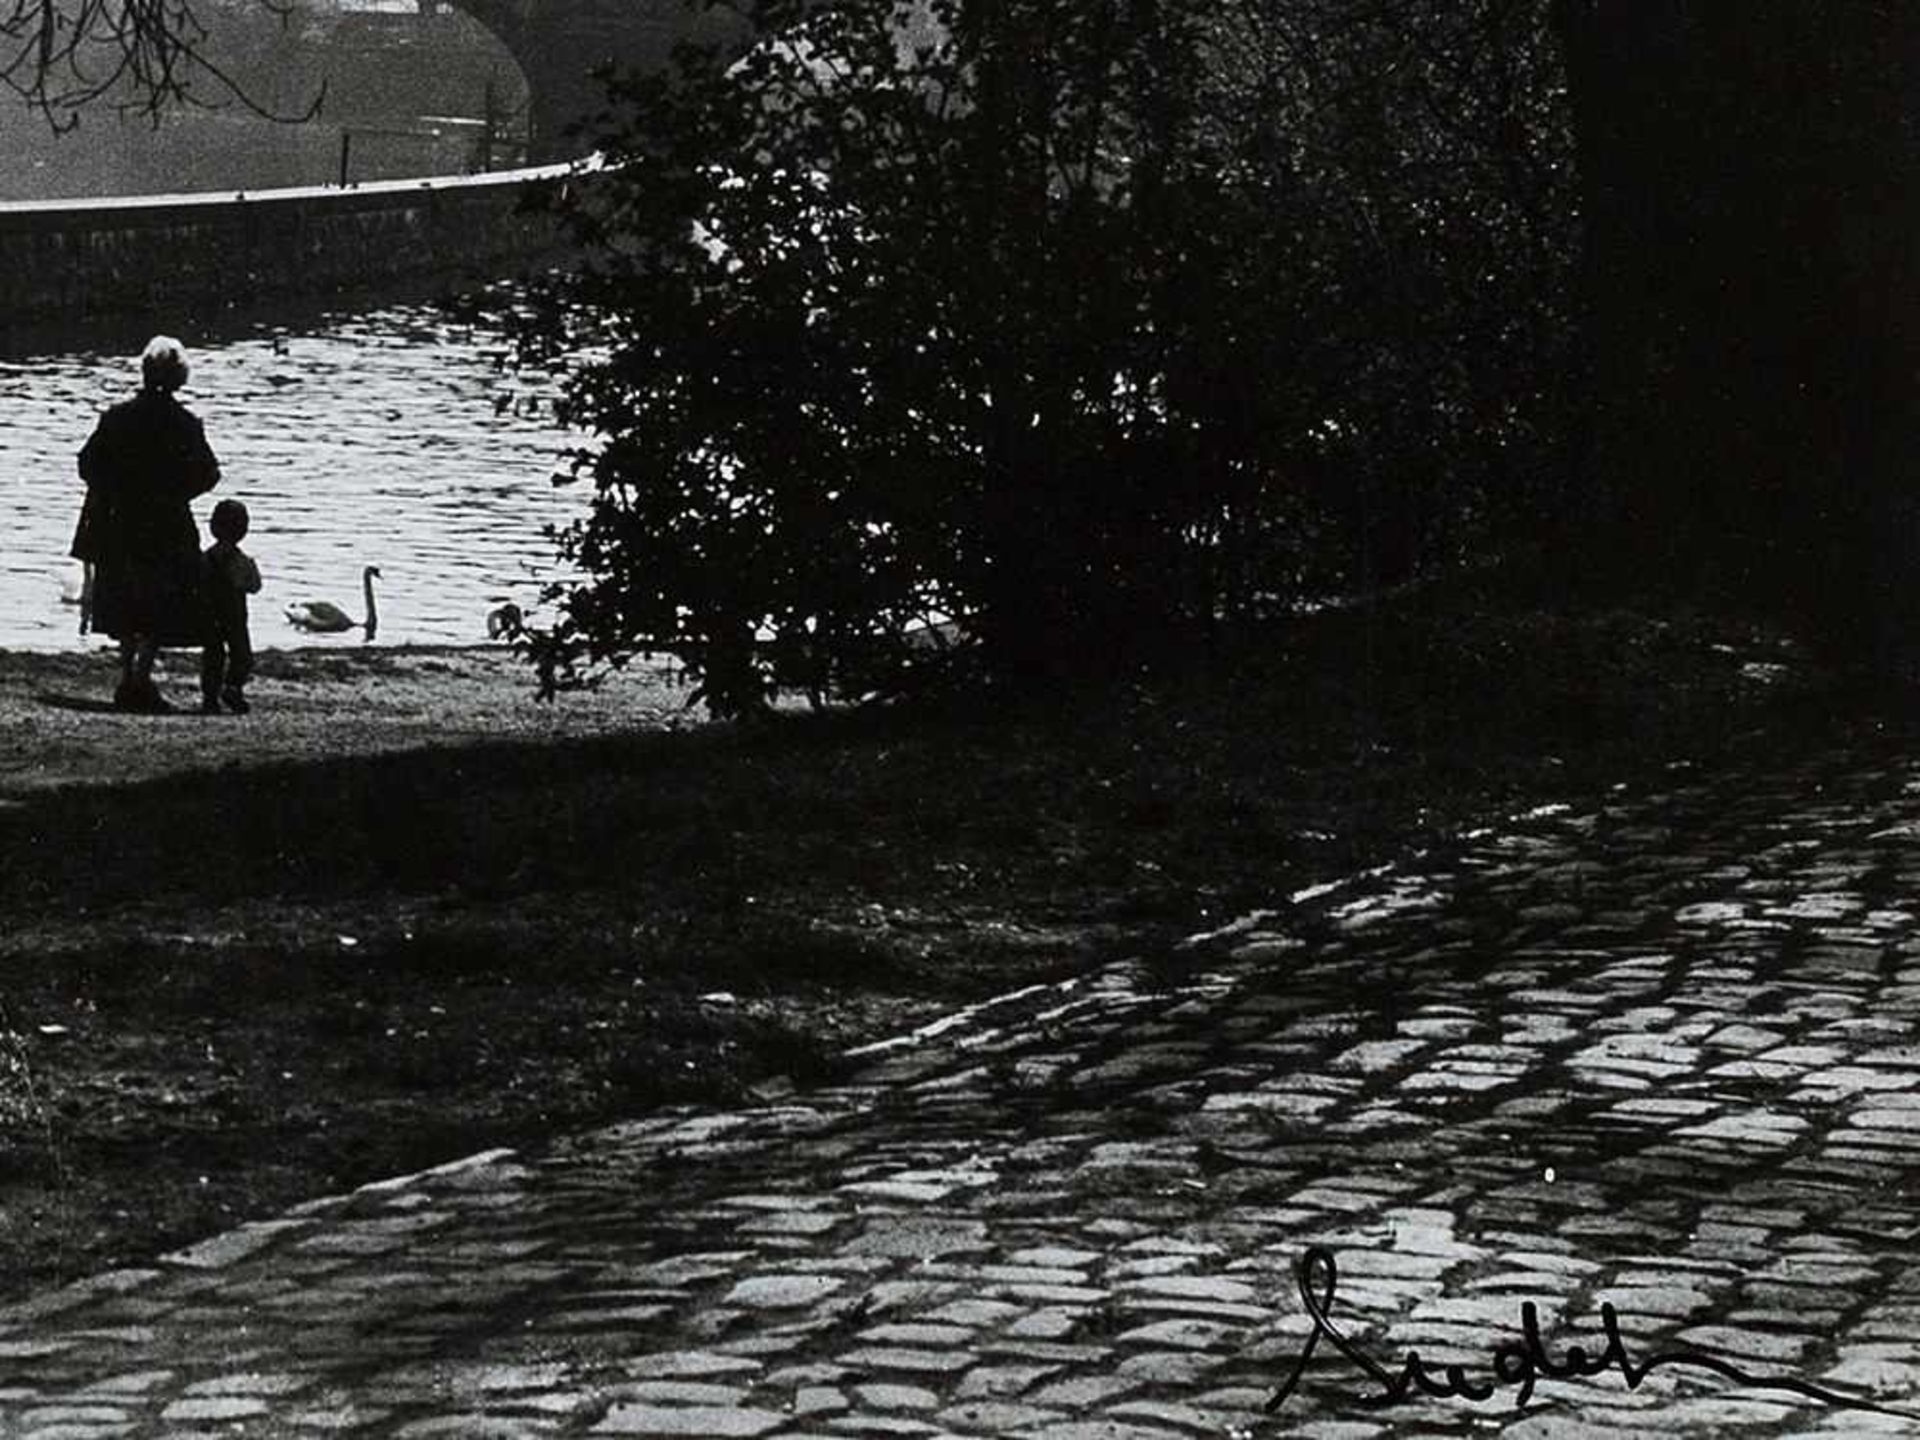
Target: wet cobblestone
(1659,1057)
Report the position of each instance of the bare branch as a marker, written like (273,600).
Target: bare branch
(138,56)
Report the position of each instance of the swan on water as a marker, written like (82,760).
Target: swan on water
(323,617)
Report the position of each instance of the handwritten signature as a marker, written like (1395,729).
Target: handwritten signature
(1518,1363)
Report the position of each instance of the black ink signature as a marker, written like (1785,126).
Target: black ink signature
(1522,1363)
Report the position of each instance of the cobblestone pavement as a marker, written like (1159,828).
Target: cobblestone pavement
(1661,1056)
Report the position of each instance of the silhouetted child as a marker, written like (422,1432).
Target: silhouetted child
(227,576)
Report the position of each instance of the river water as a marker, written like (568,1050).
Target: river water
(396,437)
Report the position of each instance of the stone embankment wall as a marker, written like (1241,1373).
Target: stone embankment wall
(193,255)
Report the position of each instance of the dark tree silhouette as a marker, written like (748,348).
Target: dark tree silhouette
(1751,182)
(1073,326)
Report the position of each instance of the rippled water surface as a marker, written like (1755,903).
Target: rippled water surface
(394,438)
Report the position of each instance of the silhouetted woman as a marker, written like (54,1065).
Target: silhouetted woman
(147,458)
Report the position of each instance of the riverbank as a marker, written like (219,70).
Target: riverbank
(402,912)
(196,255)
(335,702)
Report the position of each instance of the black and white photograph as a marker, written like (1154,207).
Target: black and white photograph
(1055,719)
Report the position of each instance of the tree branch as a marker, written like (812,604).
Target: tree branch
(138,56)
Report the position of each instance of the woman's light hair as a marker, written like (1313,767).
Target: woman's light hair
(163,364)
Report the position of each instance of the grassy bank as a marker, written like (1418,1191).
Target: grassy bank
(290,960)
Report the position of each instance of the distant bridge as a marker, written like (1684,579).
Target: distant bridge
(559,43)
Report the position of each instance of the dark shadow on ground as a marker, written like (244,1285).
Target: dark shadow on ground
(367,964)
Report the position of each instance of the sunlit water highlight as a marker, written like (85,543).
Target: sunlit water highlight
(395,437)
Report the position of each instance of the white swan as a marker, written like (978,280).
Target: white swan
(323,617)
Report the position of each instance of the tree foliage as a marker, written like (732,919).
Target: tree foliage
(1042,335)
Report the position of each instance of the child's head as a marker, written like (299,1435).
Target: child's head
(229,522)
